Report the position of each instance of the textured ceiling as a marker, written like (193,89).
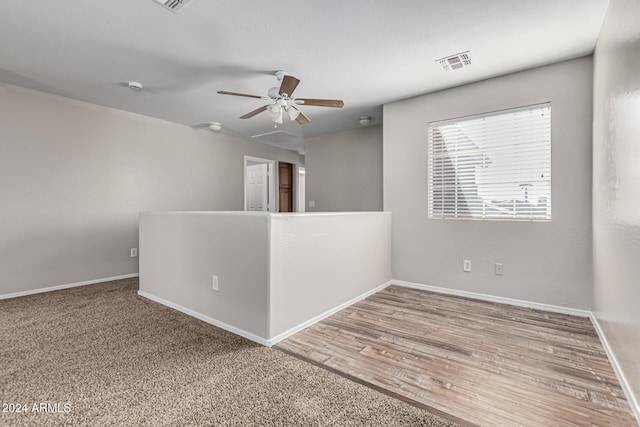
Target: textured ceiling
(366,52)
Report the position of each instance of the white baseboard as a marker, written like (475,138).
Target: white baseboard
(496,299)
(67,286)
(316,319)
(267,342)
(624,384)
(617,369)
(207,319)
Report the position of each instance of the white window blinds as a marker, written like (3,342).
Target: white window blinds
(492,166)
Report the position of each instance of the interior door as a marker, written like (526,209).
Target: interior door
(257,187)
(285,187)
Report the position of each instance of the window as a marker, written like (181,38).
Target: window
(492,166)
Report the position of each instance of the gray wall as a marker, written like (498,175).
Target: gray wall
(322,261)
(616,187)
(74,176)
(344,171)
(548,263)
(277,272)
(181,251)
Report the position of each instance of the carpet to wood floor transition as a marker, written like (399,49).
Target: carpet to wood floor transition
(101,355)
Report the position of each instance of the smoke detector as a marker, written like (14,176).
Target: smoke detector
(174,5)
(455,62)
(364,120)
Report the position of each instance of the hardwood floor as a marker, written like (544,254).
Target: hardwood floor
(484,363)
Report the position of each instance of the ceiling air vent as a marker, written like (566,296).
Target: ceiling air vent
(174,5)
(455,62)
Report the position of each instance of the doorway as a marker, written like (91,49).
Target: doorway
(285,187)
(259,184)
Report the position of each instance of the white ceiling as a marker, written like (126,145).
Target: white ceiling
(366,52)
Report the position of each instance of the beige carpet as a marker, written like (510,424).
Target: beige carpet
(118,359)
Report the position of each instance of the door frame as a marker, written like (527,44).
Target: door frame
(299,194)
(271,189)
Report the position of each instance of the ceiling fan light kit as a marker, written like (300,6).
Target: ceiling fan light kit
(275,111)
(293,113)
(282,100)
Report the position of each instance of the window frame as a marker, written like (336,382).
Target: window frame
(447,209)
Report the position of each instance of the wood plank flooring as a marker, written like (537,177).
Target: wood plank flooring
(484,363)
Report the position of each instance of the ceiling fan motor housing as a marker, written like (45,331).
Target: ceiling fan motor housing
(274,92)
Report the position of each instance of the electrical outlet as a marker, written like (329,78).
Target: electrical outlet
(312,203)
(466,265)
(499,269)
(134,252)
(214,282)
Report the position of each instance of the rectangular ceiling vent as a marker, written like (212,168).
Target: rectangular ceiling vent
(174,5)
(455,62)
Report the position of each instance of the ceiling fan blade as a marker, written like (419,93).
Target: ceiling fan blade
(289,84)
(224,92)
(302,119)
(335,103)
(255,112)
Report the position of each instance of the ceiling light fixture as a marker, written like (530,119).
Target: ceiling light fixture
(275,111)
(215,126)
(293,113)
(364,120)
(134,86)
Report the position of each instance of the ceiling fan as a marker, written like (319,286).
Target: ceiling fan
(282,101)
